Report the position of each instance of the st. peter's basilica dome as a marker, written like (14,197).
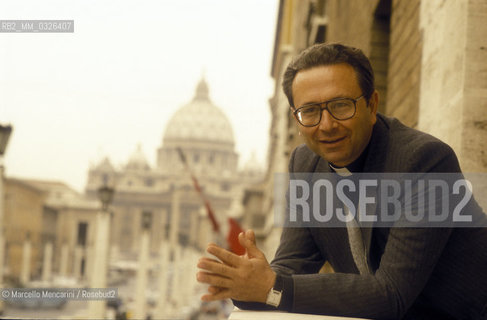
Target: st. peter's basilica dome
(200,120)
(203,133)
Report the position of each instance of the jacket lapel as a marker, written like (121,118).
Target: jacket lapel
(375,163)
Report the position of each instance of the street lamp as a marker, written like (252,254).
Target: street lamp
(5,132)
(105,194)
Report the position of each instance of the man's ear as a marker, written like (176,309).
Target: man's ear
(374,102)
(374,105)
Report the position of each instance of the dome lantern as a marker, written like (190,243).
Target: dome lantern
(202,91)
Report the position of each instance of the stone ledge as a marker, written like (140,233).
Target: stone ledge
(238,314)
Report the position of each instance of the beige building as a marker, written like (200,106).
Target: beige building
(68,216)
(47,212)
(23,221)
(429,58)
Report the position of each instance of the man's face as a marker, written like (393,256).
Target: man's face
(337,141)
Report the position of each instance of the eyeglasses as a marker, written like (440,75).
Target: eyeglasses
(340,109)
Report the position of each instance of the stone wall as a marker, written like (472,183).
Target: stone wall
(23,220)
(350,22)
(474,148)
(453,98)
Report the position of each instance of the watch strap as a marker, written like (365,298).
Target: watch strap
(275,293)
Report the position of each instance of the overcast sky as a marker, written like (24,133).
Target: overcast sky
(75,98)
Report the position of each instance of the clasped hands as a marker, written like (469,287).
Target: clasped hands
(245,278)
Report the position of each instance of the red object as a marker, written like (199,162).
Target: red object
(209,210)
(232,237)
(235,229)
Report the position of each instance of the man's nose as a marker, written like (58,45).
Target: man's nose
(327,122)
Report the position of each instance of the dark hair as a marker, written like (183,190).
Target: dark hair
(328,54)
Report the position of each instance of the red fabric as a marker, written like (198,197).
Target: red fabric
(209,210)
(211,215)
(232,237)
(196,184)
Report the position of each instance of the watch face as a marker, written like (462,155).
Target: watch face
(274,297)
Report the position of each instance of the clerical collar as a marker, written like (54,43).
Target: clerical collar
(341,171)
(356,166)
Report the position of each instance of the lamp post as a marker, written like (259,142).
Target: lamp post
(141,277)
(5,132)
(105,194)
(100,264)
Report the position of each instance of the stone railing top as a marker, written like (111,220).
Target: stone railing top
(238,314)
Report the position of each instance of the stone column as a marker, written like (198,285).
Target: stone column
(26,257)
(47,262)
(174,248)
(175,215)
(2,227)
(78,255)
(453,78)
(89,254)
(188,269)
(63,263)
(184,278)
(194,293)
(2,260)
(141,277)
(193,229)
(162,305)
(205,232)
(98,279)
(474,149)
(176,288)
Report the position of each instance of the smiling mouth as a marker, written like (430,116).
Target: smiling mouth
(332,141)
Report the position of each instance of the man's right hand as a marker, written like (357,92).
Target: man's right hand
(245,278)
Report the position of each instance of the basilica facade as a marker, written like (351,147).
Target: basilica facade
(204,135)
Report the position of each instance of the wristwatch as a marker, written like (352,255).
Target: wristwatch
(275,294)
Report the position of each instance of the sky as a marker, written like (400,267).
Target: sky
(75,98)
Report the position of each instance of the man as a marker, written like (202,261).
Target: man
(412,273)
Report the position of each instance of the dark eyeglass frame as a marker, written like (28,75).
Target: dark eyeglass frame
(327,109)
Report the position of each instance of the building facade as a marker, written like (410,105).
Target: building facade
(47,216)
(204,135)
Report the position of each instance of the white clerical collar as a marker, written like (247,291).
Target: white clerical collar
(343,171)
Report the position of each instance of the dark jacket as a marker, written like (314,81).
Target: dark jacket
(417,273)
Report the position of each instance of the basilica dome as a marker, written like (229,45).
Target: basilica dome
(199,120)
